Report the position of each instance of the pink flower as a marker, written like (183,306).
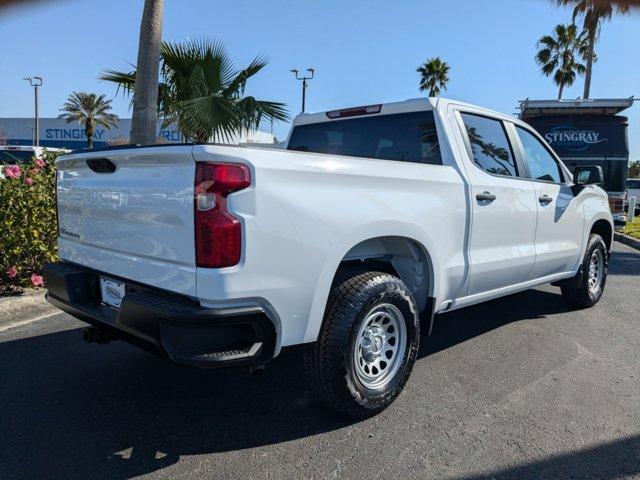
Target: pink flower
(12,171)
(12,272)
(40,163)
(28,180)
(37,280)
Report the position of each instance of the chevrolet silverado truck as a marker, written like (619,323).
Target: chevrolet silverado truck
(345,244)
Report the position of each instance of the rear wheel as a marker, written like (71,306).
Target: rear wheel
(586,288)
(368,343)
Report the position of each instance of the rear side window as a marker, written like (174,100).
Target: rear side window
(404,137)
(541,164)
(489,145)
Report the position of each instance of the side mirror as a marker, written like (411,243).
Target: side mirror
(591,175)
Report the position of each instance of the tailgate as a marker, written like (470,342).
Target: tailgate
(130,213)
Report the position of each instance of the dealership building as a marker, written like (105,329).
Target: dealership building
(56,132)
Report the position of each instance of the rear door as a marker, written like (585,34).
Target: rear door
(501,245)
(130,213)
(560,224)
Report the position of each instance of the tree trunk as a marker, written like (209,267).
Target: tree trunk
(145,98)
(560,91)
(88,128)
(587,73)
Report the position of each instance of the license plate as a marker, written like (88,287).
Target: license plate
(112,291)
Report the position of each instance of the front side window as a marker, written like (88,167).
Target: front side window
(489,145)
(405,137)
(541,164)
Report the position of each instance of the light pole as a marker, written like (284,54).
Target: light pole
(35,82)
(304,83)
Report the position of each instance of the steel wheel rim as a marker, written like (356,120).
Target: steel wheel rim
(595,274)
(379,346)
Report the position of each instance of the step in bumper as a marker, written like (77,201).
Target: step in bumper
(170,324)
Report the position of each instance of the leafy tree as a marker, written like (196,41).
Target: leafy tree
(434,76)
(201,91)
(593,12)
(145,115)
(557,55)
(634,169)
(89,110)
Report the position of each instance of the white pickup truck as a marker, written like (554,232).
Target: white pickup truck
(346,243)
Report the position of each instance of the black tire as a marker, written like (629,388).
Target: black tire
(331,363)
(577,291)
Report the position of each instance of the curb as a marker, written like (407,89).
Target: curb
(627,240)
(23,308)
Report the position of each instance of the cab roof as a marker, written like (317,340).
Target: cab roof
(410,105)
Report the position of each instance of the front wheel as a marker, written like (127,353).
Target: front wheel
(368,343)
(586,288)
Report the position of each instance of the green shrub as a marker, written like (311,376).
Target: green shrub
(28,225)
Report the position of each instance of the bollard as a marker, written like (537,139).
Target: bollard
(631,211)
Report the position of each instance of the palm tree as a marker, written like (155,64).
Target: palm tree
(593,12)
(202,92)
(145,114)
(434,76)
(90,110)
(557,55)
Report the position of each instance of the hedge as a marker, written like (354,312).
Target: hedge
(28,225)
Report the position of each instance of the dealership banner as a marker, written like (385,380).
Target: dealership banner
(584,136)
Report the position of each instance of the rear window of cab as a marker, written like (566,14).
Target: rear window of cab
(403,137)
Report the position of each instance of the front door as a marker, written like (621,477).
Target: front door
(504,208)
(559,233)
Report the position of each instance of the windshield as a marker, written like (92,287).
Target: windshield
(405,137)
(635,184)
(15,156)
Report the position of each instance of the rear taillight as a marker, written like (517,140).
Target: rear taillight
(616,204)
(218,234)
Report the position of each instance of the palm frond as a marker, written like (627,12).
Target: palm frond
(202,92)
(237,84)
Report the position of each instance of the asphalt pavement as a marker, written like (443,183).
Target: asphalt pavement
(516,388)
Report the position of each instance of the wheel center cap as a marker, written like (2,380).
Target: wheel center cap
(373,342)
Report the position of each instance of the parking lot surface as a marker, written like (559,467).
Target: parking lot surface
(520,387)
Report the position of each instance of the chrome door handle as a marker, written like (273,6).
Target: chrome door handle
(545,200)
(485,197)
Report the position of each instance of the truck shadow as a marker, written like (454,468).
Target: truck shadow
(624,264)
(461,325)
(71,409)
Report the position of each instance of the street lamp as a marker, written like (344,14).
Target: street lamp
(35,82)
(304,83)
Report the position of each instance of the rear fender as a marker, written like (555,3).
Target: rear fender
(348,249)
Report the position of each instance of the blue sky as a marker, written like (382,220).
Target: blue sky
(364,51)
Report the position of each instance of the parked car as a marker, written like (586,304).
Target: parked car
(633,190)
(344,245)
(19,154)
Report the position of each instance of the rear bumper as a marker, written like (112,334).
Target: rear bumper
(171,324)
(619,219)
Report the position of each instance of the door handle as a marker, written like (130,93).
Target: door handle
(485,197)
(545,200)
